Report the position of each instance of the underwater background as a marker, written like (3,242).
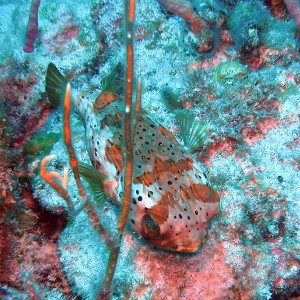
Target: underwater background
(239,74)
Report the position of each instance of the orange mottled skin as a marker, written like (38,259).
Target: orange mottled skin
(172,204)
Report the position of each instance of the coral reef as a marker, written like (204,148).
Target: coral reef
(199,27)
(246,92)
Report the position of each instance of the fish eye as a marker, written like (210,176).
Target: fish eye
(149,227)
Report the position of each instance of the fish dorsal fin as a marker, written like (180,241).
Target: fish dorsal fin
(108,93)
(95,180)
(55,85)
(108,82)
(193,131)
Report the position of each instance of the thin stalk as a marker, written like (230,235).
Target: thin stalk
(128,132)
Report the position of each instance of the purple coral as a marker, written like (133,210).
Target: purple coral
(32,26)
(293,8)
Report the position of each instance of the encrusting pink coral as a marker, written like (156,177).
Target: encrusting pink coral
(184,9)
(32,27)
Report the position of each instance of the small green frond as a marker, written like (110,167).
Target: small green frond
(108,82)
(55,85)
(95,180)
(193,131)
(172,100)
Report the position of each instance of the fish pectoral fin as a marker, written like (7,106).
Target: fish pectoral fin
(95,180)
(193,131)
(55,85)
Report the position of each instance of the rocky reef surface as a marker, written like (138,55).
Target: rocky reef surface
(238,72)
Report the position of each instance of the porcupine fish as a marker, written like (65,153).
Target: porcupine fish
(172,203)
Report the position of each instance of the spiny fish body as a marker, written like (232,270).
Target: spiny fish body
(172,204)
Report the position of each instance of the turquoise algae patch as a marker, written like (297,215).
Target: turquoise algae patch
(251,24)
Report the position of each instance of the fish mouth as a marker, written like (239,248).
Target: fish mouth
(171,245)
(187,249)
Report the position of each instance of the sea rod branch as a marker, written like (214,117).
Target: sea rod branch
(128,133)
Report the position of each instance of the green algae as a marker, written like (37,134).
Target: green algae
(230,70)
(171,100)
(41,143)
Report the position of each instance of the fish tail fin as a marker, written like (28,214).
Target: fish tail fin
(56,85)
(95,180)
